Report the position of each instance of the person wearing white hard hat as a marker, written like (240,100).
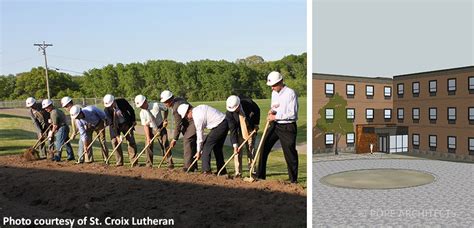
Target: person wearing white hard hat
(283,115)
(88,120)
(59,131)
(120,118)
(40,119)
(205,116)
(67,103)
(151,119)
(181,126)
(243,115)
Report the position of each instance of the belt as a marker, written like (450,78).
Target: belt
(285,122)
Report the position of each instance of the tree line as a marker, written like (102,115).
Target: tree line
(203,80)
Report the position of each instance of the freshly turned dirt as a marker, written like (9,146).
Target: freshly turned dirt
(44,189)
(30,154)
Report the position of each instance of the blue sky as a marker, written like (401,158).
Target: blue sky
(390,37)
(88,34)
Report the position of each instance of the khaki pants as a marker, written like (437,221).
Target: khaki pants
(89,157)
(250,148)
(132,145)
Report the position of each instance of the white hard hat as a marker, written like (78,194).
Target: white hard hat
(46,103)
(232,103)
(65,101)
(182,109)
(30,101)
(108,100)
(273,78)
(165,95)
(139,100)
(75,110)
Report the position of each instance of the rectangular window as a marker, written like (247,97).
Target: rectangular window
(387,113)
(451,142)
(329,113)
(330,88)
(387,91)
(416,113)
(471,144)
(400,113)
(433,86)
(369,90)
(350,113)
(433,113)
(350,138)
(329,139)
(350,89)
(451,85)
(416,139)
(432,140)
(471,83)
(451,113)
(416,87)
(369,113)
(401,88)
(471,113)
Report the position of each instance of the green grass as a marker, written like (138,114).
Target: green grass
(16,134)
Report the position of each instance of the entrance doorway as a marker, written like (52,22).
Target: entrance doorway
(383,143)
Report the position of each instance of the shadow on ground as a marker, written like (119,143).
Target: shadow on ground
(29,192)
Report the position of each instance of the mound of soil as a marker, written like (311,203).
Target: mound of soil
(30,154)
(65,190)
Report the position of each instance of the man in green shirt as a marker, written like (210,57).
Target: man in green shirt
(60,130)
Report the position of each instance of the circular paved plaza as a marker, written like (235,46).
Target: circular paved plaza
(446,202)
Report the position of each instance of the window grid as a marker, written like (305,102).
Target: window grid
(433,86)
(387,91)
(471,83)
(400,113)
(350,89)
(350,113)
(432,140)
(416,113)
(451,113)
(401,88)
(416,139)
(329,88)
(471,144)
(471,113)
(329,113)
(329,139)
(451,142)
(350,138)
(416,87)
(433,113)
(369,90)
(369,113)
(451,84)
(387,113)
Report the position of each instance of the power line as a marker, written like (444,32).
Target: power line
(78,59)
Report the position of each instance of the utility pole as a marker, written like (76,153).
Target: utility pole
(43,47)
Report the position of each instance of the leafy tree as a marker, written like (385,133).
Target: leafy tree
(340,125)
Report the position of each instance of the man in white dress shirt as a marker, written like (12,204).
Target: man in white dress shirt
(283,116)
(151,119)
(205,116)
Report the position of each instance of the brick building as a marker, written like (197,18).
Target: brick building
(429,112)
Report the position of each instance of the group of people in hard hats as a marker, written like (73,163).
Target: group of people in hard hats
(242,120)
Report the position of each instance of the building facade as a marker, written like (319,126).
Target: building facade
(429,112)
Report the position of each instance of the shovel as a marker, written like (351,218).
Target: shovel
(238,149)
(164,157)
(118,145)
(250,178)
(146,147)
(192,164)
(90,145)
(39,140)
